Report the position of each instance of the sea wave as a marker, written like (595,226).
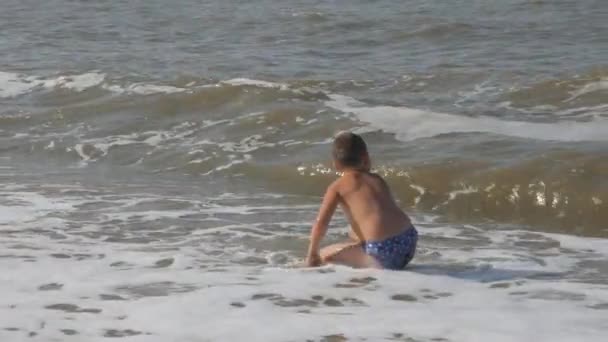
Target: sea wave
(273,133)
(588,89)
(410,124)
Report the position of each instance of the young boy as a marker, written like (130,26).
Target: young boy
(384,235)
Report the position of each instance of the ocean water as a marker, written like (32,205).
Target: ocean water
(161,165)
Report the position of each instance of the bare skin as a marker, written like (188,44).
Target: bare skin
(371,210)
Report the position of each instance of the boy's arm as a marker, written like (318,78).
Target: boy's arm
(328,207)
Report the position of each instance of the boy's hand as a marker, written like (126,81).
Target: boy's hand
(319,228)
(313,260)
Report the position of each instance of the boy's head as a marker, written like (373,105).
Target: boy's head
(350,151)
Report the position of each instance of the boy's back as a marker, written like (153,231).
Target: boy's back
(367,202)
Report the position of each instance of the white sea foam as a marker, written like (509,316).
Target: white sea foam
(479,90)
(12,84)
(257,83)
(601,85)
(181,304)
(467,189)
(183,137)
(421,191)
(145,89)
(78,82)
(23,207)
(467,283)
(410,124)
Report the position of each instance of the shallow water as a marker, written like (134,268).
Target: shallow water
(161,166)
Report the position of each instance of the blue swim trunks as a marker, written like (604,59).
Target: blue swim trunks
(395,252)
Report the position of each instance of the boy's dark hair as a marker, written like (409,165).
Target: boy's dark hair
(349,149)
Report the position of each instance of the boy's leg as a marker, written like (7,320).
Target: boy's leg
(331,250)
(349,254)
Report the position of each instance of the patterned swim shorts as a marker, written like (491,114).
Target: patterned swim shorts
(395,252)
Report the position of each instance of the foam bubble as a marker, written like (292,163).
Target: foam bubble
(12,84)
(467,189)
(145,89)
(78,82)
(410,124)
(257,83)
(19,207)
(601,85)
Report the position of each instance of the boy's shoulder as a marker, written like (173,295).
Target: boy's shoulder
(354,179)
(340,183)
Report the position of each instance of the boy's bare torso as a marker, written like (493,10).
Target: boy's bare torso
(369,206)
